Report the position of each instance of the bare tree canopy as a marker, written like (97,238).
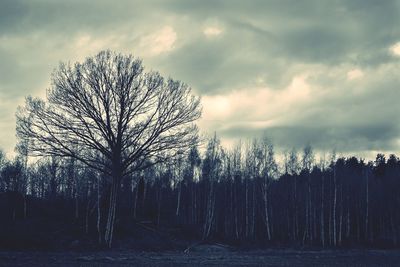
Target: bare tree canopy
(111,115)
(108,105)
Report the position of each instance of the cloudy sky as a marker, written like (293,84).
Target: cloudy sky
(312,71)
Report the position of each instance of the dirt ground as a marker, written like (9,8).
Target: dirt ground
(204,257)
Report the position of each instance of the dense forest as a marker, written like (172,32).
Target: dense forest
(242,195)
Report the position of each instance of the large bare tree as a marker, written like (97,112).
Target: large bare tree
(111,115)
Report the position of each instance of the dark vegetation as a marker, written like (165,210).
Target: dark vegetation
(239,197)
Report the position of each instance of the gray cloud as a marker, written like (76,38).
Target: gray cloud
(348,116)
(262,47)
(344,139)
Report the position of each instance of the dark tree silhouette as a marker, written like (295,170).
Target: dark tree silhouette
(240,196)
(112,116)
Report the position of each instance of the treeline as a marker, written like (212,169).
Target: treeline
(238,195)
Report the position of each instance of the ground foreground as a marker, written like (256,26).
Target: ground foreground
(209,256)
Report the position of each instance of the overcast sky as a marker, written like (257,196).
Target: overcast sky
(320,72)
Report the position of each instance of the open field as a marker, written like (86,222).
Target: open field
(204,257)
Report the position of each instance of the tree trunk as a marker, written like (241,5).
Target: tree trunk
(322,214)
(253,215)
(247,208)
(394,230)
(367,207)
(235,195)
(296,221)
(358,223)
(334,206)
(25,173)
(136,200)
(330,235)
(25,205)
(178,201)
(159,204)
(265,195)
(340,216)
(108,236)
(348,220)
(87,217)
(195,205)
(99,211)
(209,212)
(232,208)
(144,192)
(309,231)
(76,206)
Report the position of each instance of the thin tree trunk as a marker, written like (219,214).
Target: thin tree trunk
(144,192)
(159,205)
(296,221)
(136,200)
(394,230)
(348,221)
(232,206)
(305,233)
(178,204)
(236,213)
(310,232)
(367,207)
(247,208)
(99,211)
(341,216)
(358,224)
(87,217)
(76,206)
(265,195)
(195,204)
(322,214)
(253,217)
(330,234)
(25,173)
(25,205)
(334,206)
(209,212)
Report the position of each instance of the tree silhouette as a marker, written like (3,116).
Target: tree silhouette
(112,116)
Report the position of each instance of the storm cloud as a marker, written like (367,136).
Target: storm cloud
(318,72)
